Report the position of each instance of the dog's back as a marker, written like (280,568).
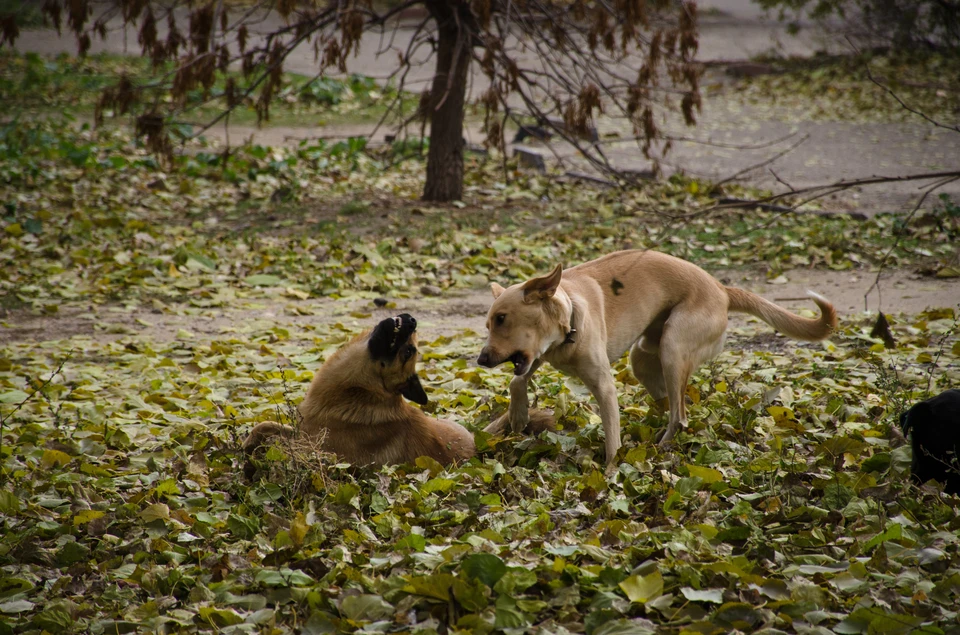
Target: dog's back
(934,428)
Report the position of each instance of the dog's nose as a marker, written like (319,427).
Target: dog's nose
(484,359)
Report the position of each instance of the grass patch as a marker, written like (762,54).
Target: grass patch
(838,88)
(30,83)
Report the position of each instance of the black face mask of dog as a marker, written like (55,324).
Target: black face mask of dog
(393,344)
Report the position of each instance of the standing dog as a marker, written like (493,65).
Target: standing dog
(670,314)
(355,404)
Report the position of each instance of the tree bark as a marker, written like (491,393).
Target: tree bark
(447,95)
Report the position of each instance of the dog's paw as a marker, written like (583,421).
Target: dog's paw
(665,438)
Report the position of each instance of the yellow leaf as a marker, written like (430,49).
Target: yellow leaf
(157,511)
(694,393)
(924,358)
(296,293)
(706,474)
(82,518)
(709,531)
(780,414)
(14,229)
(721,386)
(298,530)
(54,457)
(173,271)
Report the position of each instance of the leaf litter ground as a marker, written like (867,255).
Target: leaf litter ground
(786,506)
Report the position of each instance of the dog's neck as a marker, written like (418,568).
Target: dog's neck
(566,332)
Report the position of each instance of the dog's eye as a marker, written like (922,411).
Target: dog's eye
(409,352)
(500,319)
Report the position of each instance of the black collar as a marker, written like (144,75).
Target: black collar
(571,334)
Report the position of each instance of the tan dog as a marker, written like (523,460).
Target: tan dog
(670,314)
(355,404)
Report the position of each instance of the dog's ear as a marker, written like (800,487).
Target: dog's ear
(412,389)
(497,290)
(543,287)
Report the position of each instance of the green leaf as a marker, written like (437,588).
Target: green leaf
(738,615)
(876,463)
(263,280)
(707,595)
(643,588)
(472,596)
(71,553)
(16,606)
(437,485)
(893,532)
(244,527)
(347,494)
(9,503)
(13,396)
(836,496)
(220,617)
(507,615)
(485,567)
(435,586)
(365,608)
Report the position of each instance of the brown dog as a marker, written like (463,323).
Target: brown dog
(670,314)
(355,404)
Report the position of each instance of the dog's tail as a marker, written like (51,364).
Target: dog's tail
(797,327)
(263,431)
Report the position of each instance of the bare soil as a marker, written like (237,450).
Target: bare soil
(455,311)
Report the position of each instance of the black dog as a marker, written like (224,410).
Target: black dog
(934,427)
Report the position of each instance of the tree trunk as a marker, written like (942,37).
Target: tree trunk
(445,158)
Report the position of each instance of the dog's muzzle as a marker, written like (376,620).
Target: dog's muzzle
(520,363)
(519,359)
(390,334)
(486,360)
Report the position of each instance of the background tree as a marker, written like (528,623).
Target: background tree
(901,24)
(557,62)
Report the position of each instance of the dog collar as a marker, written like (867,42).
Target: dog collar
(570,338)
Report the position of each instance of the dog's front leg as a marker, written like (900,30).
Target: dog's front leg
(604,390)
(518,413)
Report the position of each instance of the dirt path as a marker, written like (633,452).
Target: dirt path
(453,312)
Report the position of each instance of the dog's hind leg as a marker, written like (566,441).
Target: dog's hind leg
(648,369)
(688,341)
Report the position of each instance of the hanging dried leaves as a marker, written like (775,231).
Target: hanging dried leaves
(560,60)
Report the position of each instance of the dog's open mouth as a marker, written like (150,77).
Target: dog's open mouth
(390,334)
(520,363)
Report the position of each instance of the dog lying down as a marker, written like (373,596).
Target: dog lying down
(934,428)
(355,405)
